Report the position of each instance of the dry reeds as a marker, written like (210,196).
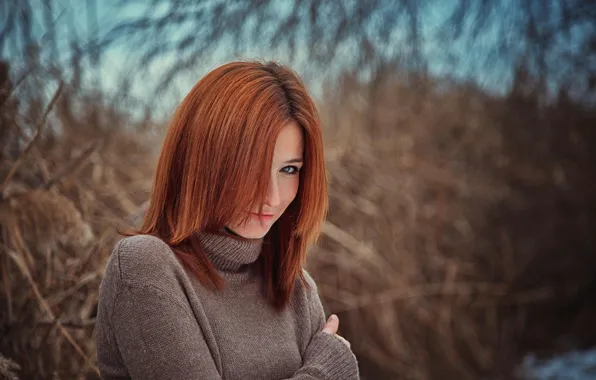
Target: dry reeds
(460,223)
(72,180)
(459,226)
(7,368)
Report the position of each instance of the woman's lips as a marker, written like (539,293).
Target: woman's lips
(262,217)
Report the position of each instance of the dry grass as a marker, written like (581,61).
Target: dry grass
(8,368)
(459,226)
(458,222)
(76,176)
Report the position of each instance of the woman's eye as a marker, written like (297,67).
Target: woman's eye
(290,169)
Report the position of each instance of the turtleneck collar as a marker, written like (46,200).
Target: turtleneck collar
(229,252)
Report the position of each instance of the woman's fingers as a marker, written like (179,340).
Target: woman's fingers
(331,328)
(332,325)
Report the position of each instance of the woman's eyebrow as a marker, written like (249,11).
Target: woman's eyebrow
(293,160)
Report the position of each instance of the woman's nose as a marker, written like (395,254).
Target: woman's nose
(273,194)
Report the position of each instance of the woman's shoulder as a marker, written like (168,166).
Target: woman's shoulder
(141,260)
(310,281)
(142,244)
(306,286)
(307,302)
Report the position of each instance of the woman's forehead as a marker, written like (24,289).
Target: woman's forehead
(290,143)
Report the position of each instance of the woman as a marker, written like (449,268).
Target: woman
(212,285)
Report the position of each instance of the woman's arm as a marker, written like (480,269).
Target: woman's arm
(158,336)
(326,356)
(149,332)
(144,329)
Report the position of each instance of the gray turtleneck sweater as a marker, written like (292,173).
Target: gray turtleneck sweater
(156,321)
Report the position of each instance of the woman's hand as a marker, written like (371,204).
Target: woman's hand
(331,328)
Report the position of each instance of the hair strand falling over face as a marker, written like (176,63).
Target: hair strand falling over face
(215,164)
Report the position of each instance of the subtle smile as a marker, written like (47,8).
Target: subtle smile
(262,217)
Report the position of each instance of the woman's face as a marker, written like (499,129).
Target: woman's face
(283,183)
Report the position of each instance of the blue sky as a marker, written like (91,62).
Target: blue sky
(116,62)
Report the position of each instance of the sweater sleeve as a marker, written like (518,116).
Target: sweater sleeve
(147,330)
(326,357)
(157,336)
(158,339)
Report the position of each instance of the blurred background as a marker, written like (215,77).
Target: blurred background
(461,149)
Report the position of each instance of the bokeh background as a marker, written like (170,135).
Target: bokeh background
(461,150)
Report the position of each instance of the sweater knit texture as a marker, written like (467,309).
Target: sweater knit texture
(157,321)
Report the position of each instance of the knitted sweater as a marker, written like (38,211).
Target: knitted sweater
(156,321)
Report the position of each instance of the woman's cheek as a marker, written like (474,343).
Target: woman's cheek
(290,189)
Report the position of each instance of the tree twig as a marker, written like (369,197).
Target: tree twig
(38,129)
(44,305)
(74,164)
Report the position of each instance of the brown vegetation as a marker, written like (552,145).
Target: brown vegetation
(74,176)
(460,233)
(460,224)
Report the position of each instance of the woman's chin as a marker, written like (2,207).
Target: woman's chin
(252,232)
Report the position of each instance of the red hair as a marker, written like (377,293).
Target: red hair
(216,160)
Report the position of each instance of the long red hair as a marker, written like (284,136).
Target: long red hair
(215,163)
